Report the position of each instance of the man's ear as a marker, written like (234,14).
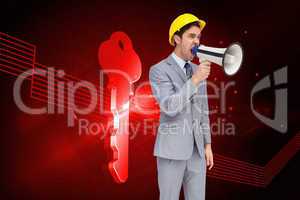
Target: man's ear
(177,39)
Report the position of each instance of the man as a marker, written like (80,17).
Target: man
(183,141)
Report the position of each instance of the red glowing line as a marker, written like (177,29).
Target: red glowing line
(77,97)
(55,87)
(63,78)
(239,170)
(56,79)
(7,61)
(67,92)
(13,73)
(101,90)
(55,103)
(16,55)
(30,48)
(14,69)
(244,166)
(45,67)
(18,49)
(66,105)
(16,59)
(218,168)
(227,178)
(238,161)
(240,175)
(82,103)
(16,44)
(37,97)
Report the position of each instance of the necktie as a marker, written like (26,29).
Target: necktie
(188,70)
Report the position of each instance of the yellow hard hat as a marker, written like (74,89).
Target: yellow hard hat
(180,22)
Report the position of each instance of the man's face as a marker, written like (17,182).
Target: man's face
(189,39)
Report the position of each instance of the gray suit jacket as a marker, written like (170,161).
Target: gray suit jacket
(183,111)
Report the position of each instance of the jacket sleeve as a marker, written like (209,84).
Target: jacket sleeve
(205,123)
(170,101)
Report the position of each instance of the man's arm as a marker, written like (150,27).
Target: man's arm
(205,123)
(170,102)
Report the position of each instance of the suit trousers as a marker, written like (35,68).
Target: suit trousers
(173,174)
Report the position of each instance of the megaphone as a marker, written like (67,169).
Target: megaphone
(229,58)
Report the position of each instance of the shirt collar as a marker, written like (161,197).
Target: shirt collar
(180,62)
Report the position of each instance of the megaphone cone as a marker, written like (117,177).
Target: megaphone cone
(229,58)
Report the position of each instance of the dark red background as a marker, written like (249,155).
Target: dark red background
(43,159)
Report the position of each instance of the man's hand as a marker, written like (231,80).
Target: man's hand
(209,156)
(202,72)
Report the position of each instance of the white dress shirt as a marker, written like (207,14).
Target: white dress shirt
(180,62)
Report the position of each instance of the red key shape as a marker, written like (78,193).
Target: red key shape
(118,166)
(117,56)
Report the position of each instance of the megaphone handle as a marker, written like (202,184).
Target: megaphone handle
(201,59)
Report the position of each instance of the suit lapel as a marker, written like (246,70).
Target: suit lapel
(170,60)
